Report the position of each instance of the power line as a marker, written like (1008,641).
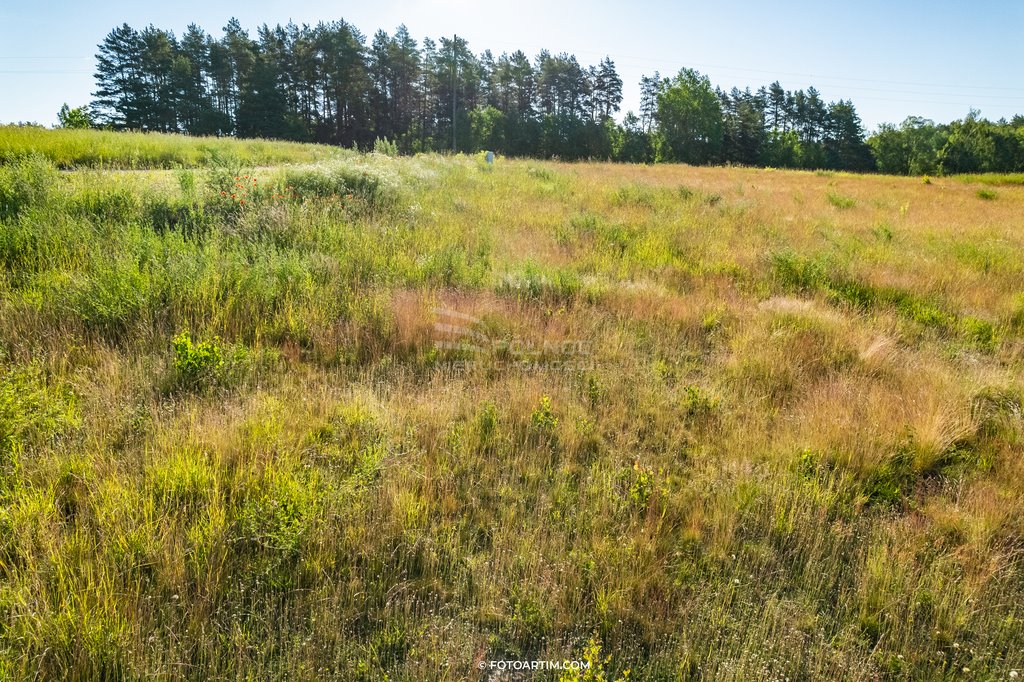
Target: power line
(48,57)
(704,65)
(862,88)
(680,62)
(965,99)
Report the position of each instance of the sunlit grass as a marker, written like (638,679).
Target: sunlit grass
(104,149)
(714,424)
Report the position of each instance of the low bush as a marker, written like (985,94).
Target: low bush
(196,363)
(28,181)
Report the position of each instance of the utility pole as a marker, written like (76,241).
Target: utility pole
(454,40)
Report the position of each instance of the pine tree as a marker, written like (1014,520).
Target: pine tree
(119,86)
(325,83)
(607,88)
(263,106)
(650,86)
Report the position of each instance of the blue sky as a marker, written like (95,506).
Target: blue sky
(893,59)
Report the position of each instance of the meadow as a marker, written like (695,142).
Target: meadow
(361,417)
(70,149)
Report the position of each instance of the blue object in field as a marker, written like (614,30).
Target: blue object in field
(490,158)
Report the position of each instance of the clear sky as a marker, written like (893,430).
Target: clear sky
(893,58)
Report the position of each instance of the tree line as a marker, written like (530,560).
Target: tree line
(919,146)
(327,83)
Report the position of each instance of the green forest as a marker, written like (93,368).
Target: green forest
(331,84)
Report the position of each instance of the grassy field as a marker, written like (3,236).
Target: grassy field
(384,418)
(70,149)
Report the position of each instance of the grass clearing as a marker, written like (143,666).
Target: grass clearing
(376,416)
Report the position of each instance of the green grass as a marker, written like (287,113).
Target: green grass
(993,178)
(103,149)
(385,418)
(840,201)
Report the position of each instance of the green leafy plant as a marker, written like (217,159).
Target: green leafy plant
(840,201)
(593,668)
(196,363)
(637,485)
(697,403)
(77,118)
(543,419)
(384,146)
(277,512)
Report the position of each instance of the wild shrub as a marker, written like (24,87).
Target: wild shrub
(541,173)
(890,482)
(186,182)
(795,272)
(883,232)
(919,310)
(196,364)
(29,181)
(339,183)
(810,464)
(840,201)
(697,404)
(636,484)
(979,332)
(852,292)
(276,512)
(104,205)
(172,215)
(543,421)
(986,194)
(111,297)
(384,146)
(223,174)
(595,668)
(808,275)
(594,391)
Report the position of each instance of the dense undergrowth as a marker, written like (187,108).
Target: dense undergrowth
(700,424)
